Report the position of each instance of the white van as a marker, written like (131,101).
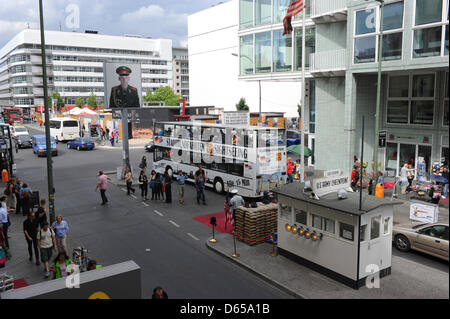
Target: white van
(64,129)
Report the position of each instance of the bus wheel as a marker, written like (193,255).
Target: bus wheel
(169,171)
(218,185)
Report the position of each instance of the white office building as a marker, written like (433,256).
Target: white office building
(213,43)
(75,65)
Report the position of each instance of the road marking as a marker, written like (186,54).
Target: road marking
(124,190)
(159,213)
(190,235)
(173,223)
(145,204)
(134,196)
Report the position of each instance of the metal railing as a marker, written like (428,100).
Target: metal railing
(320,7)
(328,60)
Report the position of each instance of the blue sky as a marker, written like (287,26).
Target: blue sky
(152,18)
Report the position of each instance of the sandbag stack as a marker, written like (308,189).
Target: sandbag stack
(256,223)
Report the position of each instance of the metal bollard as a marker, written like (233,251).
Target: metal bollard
(235,255)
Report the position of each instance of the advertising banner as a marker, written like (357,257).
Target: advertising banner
(272,161)
(123,85)
(424,213)
(236,118)
(323,186)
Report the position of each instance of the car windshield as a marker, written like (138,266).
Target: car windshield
(87,140)
(418,226)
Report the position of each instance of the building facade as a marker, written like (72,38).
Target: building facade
(213,44)
(180,72)
(75,65)
(341,59)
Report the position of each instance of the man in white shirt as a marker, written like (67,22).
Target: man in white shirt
(236,201)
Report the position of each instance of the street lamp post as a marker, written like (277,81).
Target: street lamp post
(377,112)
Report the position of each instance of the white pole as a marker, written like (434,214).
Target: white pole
(302,133)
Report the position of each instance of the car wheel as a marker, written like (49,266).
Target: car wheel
(218,185)
(68,146)
(402,243)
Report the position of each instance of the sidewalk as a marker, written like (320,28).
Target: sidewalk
(409,279)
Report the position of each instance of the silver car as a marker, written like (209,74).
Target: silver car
(431,239)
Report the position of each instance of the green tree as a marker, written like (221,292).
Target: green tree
(92,100)
(163,94)
(79,102)
(59,100)
(242,105)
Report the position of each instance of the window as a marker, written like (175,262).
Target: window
(285,212)
(365,35)
(245,13)
(411,99)
(263,12)
(279,10)
(246,55)
(282,52)
(430,23)
(346,231)
(362,233)
(445,117)
(386,225)
(392,31)
(438,231)
(70,124)
(55,124)
(263,50)
(301,216)
(316,221)
(329,225)
(310,46)
(375,227)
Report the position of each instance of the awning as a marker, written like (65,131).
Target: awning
(296,150)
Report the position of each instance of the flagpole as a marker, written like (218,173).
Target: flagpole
(302,132)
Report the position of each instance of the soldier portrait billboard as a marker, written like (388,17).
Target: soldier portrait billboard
(123,86)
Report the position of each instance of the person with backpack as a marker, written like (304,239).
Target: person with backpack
(354,178)
(47,244)
(25,198)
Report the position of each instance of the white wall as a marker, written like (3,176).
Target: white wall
(213,70)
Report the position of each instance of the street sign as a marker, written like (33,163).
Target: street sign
(323,186)
(236,118)
(382,139)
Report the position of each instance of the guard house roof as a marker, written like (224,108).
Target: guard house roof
(350,205)
(235,126)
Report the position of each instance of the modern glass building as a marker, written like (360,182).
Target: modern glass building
(341,58)
(75,65)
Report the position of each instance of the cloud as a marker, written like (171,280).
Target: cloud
(152,11)
(14,27)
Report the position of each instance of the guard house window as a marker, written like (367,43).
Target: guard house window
(282,52)
(263,48)
(430,28)
(301,216)
(329,225)
(411,99)
(246,55)
(317,222)
(386,225)
(362,233)
(346,231)
(285,212)
(375,227)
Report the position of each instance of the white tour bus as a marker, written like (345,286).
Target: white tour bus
(232,156)
(64,129)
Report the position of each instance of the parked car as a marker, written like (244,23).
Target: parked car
(293,137)
(24,141)
(81,143)
(431,239)
(150,147)
(39,145)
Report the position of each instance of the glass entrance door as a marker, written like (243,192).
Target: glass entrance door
(407,155)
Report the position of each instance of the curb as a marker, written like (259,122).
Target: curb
(257,274)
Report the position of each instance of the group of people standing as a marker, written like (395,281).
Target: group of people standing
(105,135)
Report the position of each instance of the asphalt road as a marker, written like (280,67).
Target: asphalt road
(161,238)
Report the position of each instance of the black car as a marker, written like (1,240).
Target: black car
(150,147)
(23,141)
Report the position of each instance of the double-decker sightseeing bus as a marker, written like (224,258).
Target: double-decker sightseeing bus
(232,156)
(12,115)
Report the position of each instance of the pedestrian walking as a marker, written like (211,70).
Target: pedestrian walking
(4,219)
(107,133)
(370,186)
(181,180)
(445,176)
(3,249)
(153,185)
(11,195)
(129,181)
(168,187)
(143,164)
(200,187)
(18,187)
(143,184)
(47,244)
(354,178)
(41,213)
(61,228)
(290,170)
(102,184)
(62,266)
(112,140)
(160,186)
(25,198)
(30,229)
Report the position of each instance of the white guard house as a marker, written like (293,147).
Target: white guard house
(322,234)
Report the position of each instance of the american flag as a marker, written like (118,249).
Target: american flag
(295,7)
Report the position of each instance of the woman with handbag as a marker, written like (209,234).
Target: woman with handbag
(143,184)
